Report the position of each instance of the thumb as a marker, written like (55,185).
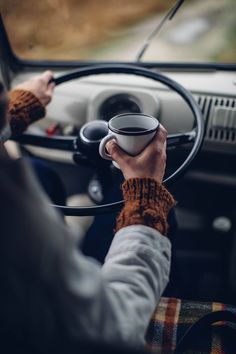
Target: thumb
(116,153)
(50,88)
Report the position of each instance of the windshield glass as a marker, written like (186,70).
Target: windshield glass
(114,30)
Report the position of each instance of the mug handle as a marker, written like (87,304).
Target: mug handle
(102,146)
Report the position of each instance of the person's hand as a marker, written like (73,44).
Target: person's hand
(150,163)
(40,87)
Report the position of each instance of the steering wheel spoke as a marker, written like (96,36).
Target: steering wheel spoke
(55,142)
(174,140)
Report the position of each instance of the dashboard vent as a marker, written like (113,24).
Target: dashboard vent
(220,117)
(205,103)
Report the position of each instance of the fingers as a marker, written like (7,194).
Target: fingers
(160,135)
(116,153)
(157,145)
(46,88)
(47,76)
(50,88)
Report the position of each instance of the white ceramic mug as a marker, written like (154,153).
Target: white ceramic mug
(132,131)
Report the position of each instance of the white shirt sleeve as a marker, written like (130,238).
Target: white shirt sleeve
(111,303)
(115,303)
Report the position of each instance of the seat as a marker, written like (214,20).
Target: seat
(173,317)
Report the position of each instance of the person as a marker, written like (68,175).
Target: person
(28,101)
(49,289)
(27,104)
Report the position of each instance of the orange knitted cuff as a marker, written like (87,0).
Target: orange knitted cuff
(146,202)
(24,109)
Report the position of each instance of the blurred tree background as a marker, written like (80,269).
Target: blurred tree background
(203,30)
(61,25)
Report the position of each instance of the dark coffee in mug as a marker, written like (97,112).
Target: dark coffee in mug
(133,129)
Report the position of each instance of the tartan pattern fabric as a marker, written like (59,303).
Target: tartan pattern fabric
(173,317)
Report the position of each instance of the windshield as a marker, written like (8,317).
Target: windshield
(114,30)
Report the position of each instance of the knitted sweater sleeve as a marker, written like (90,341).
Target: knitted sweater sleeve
(24,109)
(146,202)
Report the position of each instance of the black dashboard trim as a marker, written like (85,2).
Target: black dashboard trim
(172,66)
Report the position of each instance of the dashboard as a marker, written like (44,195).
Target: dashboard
(206,194)
(101,97)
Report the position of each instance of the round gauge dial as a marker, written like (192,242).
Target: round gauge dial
(117,104)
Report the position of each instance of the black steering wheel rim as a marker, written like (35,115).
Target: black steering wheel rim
(135,70)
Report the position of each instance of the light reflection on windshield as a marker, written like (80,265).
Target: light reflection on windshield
(116,29)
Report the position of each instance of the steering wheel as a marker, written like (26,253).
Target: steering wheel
(194,136)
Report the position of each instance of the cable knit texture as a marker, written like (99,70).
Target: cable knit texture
(146,202)
(24,109)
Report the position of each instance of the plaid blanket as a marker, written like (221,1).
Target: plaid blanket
(173,317)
